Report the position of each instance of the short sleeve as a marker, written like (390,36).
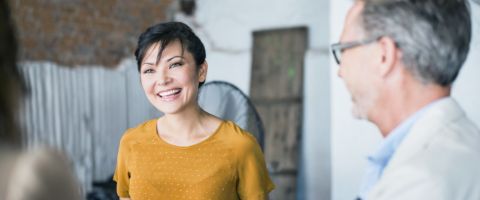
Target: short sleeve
(254,181)
(121,175)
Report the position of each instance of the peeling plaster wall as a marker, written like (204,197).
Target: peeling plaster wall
(83,33)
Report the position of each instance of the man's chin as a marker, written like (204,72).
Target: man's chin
(359,113)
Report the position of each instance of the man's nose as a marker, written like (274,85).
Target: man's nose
(339,72)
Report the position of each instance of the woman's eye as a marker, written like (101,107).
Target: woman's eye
(148,71)
(175,65)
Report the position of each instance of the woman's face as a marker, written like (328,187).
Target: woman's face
(171,83)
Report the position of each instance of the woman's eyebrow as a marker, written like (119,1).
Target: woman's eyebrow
(168,60)
(148,63)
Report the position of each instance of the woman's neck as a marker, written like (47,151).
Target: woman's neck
(186,127)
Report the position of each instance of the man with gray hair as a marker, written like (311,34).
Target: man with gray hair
(399,59)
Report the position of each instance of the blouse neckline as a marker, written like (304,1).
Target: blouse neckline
(206,140)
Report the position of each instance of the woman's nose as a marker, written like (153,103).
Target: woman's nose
(163,78)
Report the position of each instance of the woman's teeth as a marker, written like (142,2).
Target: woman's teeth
(169,92)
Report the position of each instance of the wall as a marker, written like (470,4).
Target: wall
(353,140)
(468,83)
(78,32)
(84,112)
(76,103)
(226,28)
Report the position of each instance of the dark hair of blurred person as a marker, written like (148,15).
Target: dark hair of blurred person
(40,174)
(12,88)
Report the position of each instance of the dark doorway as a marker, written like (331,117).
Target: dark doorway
(276,89)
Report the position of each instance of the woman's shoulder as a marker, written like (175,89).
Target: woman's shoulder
(237,136)
(140,132)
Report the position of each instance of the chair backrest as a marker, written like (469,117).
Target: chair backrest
(228,102)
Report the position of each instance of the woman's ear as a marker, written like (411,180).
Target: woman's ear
(202,72)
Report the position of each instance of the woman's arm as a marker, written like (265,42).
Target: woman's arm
(254,180)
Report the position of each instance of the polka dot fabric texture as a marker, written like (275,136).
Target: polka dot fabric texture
(227,165)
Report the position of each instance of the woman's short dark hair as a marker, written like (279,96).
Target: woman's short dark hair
(165,34)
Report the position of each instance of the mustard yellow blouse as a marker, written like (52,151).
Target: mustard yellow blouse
(227,165)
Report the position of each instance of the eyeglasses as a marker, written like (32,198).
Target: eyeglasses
(338,48)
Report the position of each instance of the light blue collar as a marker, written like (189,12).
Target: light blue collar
(380,159)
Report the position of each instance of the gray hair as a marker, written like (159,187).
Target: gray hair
(434,35)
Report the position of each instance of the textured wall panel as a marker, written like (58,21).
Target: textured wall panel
(83,112)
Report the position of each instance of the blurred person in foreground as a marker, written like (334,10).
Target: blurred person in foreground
(399,59)
(187,153)
(39,174)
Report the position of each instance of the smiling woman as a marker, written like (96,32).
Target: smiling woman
(174,76)
(187,153)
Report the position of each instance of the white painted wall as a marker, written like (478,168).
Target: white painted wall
(467,87)
(226,28)
(352,140)
(335,144)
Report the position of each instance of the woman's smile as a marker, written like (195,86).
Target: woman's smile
(170,94)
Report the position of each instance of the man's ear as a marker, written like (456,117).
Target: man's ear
(390,55)
(202,73)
